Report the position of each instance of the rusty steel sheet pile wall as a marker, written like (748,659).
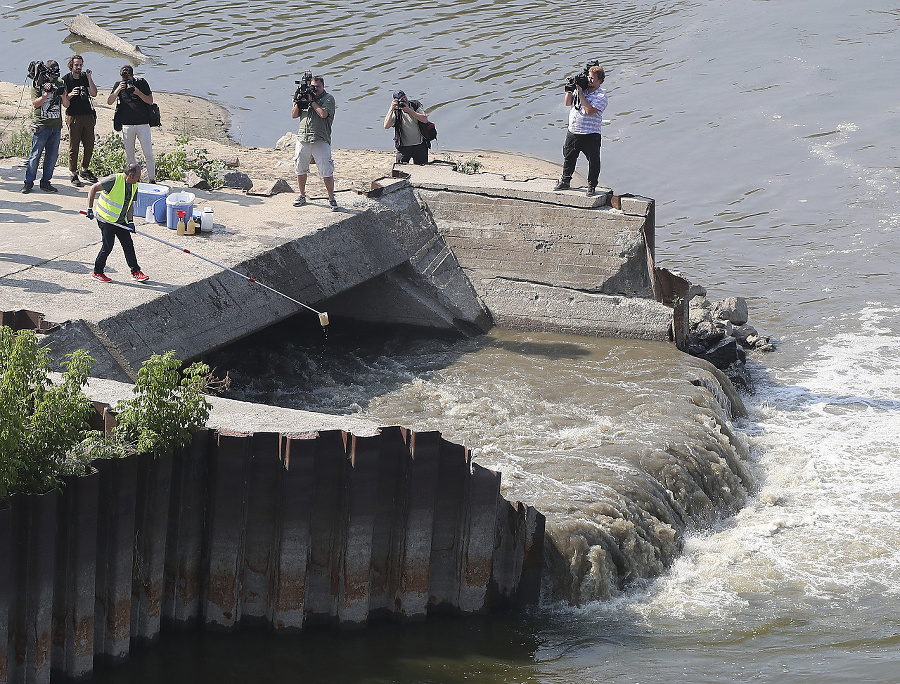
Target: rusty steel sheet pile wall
(264,529)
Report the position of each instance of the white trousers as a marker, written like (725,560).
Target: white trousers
(142,133)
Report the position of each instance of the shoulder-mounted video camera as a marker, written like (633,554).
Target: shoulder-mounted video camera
(580,79)
(46,78)
(306,91)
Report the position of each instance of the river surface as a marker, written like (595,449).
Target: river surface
(768,132)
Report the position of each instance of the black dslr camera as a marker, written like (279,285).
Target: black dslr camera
(304,88)
(46,78)
(580,79)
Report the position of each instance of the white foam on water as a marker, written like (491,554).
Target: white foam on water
(824,525)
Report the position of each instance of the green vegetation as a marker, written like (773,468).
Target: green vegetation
(468,167)
(169,405)
(44,432)
(39,422)
(16,143)
(109,158)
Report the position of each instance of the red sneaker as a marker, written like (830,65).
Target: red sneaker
(102,277)
(140,275)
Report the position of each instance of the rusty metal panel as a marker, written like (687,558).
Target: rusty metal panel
(529,590)
(262,533)
(411,572)
(390,514)
(31,613)
(356,561)
(154,483)
(229,469)
(477,546)
(115,547)
(6,595)
(326,527)
(76,587)
(509,550)
(450,502)
(296,491)
(188,498)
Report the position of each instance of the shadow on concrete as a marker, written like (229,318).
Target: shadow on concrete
(66,265)
(42,286)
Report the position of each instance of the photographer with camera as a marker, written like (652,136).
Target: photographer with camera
(586,101)
(315,108)
(404,116)
(80,118)
(133,112)
(48,95)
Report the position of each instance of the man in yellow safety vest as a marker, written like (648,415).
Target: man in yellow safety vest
(115,216)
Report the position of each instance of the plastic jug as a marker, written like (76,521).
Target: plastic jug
(206,220)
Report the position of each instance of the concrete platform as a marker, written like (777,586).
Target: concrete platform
(434,248)
(47,249)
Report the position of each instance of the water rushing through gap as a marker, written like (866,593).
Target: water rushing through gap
(620,444)
(767,132)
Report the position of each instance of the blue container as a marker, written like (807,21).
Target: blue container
(179,201)
(147,195)
(159,210)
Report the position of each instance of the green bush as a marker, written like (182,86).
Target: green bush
(169,405)
(109,155)
(17,143)
(109,158)
(44,432)
(468,167)
(39,421)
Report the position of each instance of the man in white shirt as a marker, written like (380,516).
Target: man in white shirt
(583,136)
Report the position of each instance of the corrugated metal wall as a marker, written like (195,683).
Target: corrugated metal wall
(269,529)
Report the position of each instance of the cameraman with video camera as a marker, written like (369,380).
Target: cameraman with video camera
(315,108)
(48,96)
(586,100)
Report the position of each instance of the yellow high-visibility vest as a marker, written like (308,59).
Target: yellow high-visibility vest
(112,207)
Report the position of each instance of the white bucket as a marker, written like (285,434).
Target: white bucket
(179,201)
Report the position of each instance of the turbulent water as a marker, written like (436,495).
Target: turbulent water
(767,132)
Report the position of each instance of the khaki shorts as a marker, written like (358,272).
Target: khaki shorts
(319,153)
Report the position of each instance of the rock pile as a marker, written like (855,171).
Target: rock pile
(720,333)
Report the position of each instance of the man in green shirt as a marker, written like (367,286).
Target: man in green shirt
(316,114)
(48,97)
(115,216)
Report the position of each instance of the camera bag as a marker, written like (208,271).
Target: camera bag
(153,115)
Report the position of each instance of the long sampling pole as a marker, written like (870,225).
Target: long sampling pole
(323,315)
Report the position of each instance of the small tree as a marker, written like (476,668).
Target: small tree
(168,408)
(39,422)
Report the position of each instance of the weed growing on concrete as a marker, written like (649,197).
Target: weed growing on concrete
(468,167)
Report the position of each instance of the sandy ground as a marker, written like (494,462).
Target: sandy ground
(207,124)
